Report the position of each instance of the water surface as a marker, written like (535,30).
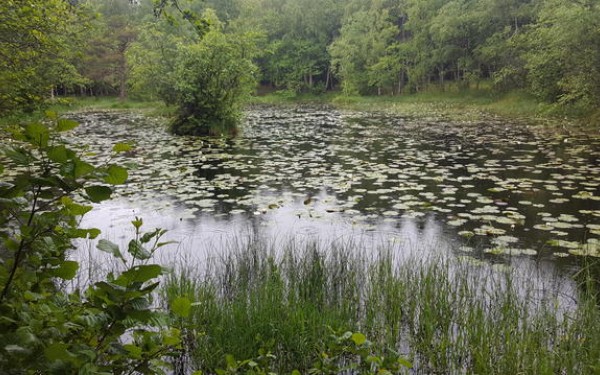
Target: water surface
(496,190)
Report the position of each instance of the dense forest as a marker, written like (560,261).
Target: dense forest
(164,49)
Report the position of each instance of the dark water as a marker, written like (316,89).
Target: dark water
(493,191)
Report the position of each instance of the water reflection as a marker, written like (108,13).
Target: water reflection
(480,190)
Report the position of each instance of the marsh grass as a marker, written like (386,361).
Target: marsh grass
(444,316)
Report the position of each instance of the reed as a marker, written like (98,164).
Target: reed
(443,315)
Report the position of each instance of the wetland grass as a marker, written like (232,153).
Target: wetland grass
(444,316)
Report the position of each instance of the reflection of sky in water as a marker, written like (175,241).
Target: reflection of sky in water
(207,238)
(476,190)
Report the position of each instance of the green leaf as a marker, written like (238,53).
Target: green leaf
(64,124)
(122,147)
(51,115)
(142,273)
(57,352)
(136,249)
(98,193)
(93,232)
(404,362)
(137,223)
(133,350)
(58,154)
(82,168)
(109,247)
(18,156)
(181,307)
(81,233)
(37,134)
(359,338)
(116,175)
(78,210)
(67,270)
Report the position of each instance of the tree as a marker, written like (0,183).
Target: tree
(563,53)
(37,42)
(212,78)
(364,54)
(115,29)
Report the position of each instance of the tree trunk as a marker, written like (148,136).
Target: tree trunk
(328,79)
(401,82)
(122,84)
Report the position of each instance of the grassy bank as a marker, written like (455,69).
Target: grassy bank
(289,309)
(451,103)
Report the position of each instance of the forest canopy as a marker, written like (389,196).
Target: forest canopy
(158,49)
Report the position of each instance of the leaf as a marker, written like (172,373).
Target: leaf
(51,115)
(109,247)
(116,175)
(64,124)
(58,154)
(137,223)
(82,168)
(142,273)
(181,307)
(93,232)
(404,362)
(122,147)
(136,249)
(78,210)
(98,193)
(18,156)
(133,350)
(67,270)
(37,134)
(57,352)
(359,338)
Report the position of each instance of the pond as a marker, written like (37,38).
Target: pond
(500,191)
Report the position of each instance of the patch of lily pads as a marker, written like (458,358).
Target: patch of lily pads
(514,187)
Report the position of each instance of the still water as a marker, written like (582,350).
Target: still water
(495,191)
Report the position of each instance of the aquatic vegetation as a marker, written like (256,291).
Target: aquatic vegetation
(438,315)
(368,170)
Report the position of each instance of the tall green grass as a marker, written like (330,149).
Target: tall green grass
(444,316)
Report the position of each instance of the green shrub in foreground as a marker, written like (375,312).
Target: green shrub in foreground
(111,326)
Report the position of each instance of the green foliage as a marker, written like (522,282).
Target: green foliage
(563,54)
(364,56)
(352,352)
(44,328)
(38,44)
(212,78)
(253,312)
